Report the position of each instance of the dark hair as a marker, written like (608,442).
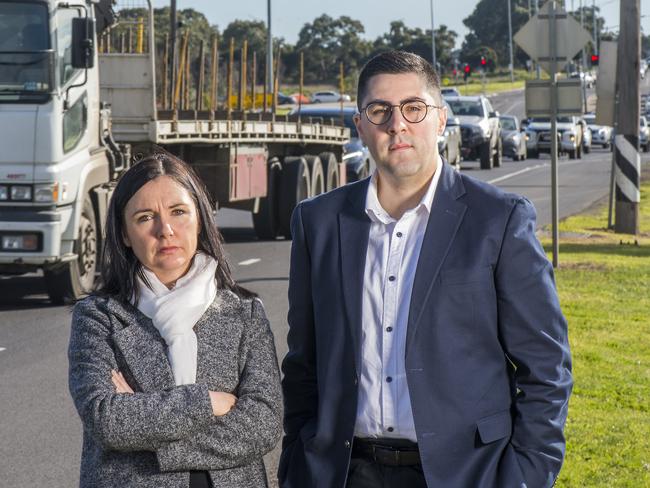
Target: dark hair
(395,63)
(120,266)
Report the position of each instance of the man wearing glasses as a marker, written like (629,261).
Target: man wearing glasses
(426,344)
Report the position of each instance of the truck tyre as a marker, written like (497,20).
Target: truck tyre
(330,169)
(485,156)
(69,281)
(294,187)
(498,154)
(317,177)
(265,221)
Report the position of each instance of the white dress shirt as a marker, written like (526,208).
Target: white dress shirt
(384,404)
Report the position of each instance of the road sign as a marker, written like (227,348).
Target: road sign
(538,98)
(534,37)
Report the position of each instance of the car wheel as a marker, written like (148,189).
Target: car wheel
(498,154)
(485,156)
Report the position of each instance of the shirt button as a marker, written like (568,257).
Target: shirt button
(391,278)
(347,444)
(399,234)
(389,379)
(390,429)
(389,329)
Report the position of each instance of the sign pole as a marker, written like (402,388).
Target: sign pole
(554,172)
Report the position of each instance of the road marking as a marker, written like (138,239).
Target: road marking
(3,349)
(537,166)
(248,262)
(517,173)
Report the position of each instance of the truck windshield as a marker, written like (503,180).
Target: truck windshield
(26,57)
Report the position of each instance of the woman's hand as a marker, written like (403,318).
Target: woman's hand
(121,386)
(221,402)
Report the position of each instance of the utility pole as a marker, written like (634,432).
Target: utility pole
(174,52)
(539,69)
(628,162)
(269,49)
(554,173)
(512,66)
(433,40)
(593,25)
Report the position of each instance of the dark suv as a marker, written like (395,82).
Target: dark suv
(481,133)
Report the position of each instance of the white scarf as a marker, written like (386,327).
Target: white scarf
(175,312)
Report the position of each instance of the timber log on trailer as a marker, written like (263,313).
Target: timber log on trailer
(84,85)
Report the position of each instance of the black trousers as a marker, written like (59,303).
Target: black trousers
(364,473)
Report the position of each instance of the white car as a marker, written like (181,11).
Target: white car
(600,134)
(329,96)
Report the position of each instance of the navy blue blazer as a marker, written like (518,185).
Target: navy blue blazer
(487,357)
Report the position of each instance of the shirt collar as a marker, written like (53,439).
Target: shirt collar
(376,212)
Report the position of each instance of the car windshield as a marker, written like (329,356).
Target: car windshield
(508,124)
(26,59)
(467,107)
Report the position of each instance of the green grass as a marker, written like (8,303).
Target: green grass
(604,286)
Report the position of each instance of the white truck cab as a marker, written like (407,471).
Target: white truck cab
(54,158)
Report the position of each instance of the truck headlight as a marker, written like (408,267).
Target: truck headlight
(21,193)
(4,192)
(48,193)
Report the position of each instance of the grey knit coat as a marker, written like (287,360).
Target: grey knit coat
(153,437)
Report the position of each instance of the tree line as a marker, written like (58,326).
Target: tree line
(327,41)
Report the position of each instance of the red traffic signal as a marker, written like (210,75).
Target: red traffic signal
(468,69)
(594,59)
(483,61)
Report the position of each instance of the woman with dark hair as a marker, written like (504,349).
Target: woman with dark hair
(172,365)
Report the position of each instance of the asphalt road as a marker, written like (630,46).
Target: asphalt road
(40,433)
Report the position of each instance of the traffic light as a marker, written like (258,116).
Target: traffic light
(483,62)
(594,59)
(467,71)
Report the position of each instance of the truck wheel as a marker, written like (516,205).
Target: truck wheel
(498,154)
(265,221)
(330,169)
(69,281)
(485,156)
(317,177)
(294,187)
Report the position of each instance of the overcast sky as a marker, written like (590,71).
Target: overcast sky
(288,16)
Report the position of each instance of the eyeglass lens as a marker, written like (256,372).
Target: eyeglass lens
(379,113)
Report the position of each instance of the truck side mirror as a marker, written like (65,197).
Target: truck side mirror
(83,48)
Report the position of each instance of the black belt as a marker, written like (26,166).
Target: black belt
(386,451)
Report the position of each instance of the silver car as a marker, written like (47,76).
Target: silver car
(601,135)
(450,142)
(513,138)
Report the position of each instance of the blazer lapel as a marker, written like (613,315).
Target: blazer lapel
(445,218)
(354,227)
(143,349)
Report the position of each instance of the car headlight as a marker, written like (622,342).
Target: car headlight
(48,193)
(4,192)
(21,193)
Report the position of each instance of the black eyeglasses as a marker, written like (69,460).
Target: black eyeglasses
(413,111)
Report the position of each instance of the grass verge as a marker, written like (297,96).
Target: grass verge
(604,286)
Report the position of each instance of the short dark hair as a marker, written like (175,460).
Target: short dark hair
(120,266)
(397,62)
